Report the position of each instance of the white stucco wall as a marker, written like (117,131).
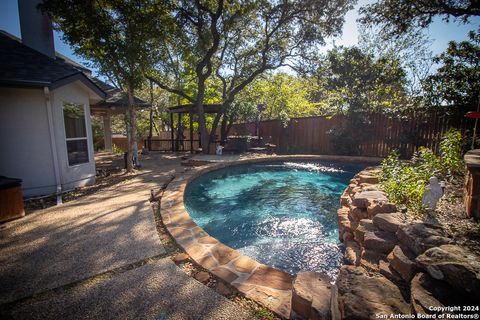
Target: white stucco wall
(80,174)
(25,149)
(24,140)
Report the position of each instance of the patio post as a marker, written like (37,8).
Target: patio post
(171,131)
(107,131)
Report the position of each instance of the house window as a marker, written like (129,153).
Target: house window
(76,133)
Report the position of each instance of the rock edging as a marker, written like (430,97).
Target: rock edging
(394,264)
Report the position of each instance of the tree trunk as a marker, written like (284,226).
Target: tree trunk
(202,124)
(132,156)
(224,130)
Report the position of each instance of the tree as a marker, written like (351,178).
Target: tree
(119,37)
(238,40)
(455,87)
(355,83)
(400,16)
(410,49)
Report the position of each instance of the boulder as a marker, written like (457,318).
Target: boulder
(402,261)
(420,237)
(364,225)
(345,201)
(389,221)
(353,253)
(311,295)
(380,207)
(366,198)
(453,264)
(380,241)
(347,236)
(387,271)
(357,213)
(371,260)
(367,178)
(423,293)
(361,296)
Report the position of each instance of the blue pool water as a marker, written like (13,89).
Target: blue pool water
(282,214)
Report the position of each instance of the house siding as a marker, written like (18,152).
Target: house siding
(24,140)
(26,151)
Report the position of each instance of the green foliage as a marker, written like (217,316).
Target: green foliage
(405,182)
(358,82)
(400,16)
(455,86)
(116,149)
(451,152)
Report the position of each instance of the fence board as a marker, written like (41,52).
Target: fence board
(311,135)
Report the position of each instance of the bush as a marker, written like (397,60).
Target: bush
(405,182)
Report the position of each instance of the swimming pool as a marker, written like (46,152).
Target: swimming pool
(282,214)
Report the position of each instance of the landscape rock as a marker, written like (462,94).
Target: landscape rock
(202,276)
(180,257)
(389,221)
(403,262)
(357,213)
(424,291)
(386,270)
(454,265)
(365,225)
(380,241)
(345,201)
(366,297)
(367,178)
(353,253)
(347,236)
(380,207)
(223,289)
(420,237)
(366,198)
(311,295)
(371,260)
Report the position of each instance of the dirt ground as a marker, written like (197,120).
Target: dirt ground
(450,213)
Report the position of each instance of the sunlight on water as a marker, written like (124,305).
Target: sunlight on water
(280,214)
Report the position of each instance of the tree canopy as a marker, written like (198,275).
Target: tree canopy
(400,16)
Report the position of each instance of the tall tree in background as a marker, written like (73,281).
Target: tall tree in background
(455,87)
(120,37)
(400,16)
(238,40)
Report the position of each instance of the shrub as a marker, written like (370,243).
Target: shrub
(404,182)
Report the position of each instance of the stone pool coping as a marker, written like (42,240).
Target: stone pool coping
(268,286)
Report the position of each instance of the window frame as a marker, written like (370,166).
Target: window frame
(77,138)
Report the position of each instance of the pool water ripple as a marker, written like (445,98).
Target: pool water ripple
(280,214)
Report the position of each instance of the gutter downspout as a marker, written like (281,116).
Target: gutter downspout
(53,144)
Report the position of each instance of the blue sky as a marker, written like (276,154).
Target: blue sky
(440,32)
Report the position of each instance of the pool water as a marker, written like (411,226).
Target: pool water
(282,214)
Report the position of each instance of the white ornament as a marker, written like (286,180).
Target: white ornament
(433,192)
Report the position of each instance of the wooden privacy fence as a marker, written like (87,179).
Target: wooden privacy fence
(375,137)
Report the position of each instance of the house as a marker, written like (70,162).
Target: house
(46,101)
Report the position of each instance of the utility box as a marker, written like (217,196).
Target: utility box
(11,199)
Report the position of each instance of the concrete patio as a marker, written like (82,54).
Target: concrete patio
(100,257)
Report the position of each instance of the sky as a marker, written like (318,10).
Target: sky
(440,32)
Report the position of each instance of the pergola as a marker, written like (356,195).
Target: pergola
(115,103)
(191,111)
